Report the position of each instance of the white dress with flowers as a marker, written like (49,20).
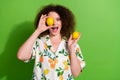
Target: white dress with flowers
(50,65)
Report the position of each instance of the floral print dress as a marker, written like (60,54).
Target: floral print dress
(50,65)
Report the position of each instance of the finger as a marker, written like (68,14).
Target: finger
(76,40)
(43,16)
(50,26)
(70,38)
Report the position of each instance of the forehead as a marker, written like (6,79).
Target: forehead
(53,14)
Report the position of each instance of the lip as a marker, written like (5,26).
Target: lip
(54,29)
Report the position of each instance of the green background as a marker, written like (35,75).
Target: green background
(97,20)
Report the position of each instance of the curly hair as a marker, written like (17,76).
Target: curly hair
(66,16)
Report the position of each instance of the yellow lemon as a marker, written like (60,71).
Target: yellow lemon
(50,21)
(46,71)
(75,35)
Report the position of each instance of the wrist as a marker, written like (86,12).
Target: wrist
(71,49)
(38,31)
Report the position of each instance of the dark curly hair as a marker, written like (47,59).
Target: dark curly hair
(66,16)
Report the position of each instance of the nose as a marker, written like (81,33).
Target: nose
(54,22)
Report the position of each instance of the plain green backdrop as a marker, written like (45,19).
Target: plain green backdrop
(97,20)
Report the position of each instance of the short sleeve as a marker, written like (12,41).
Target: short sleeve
(34,50)
(80,56)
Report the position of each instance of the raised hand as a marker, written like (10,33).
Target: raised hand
(71,43)
(42,24)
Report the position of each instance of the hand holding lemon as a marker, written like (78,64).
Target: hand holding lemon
(75,35)
(50,21)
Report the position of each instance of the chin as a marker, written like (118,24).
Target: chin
(55,34)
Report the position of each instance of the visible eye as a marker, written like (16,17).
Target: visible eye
(58,19)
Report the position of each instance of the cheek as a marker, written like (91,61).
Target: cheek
(60,24)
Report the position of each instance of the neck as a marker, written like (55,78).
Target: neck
(55,37)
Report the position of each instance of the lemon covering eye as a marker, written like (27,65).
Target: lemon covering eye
(50,21)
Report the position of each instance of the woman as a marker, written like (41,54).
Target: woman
(57,56)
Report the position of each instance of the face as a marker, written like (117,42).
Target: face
(55,30)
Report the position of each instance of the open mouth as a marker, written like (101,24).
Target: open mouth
(54,29)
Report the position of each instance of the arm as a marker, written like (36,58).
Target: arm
(75,63)
(24,52)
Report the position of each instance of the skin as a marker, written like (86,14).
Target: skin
(24,52)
